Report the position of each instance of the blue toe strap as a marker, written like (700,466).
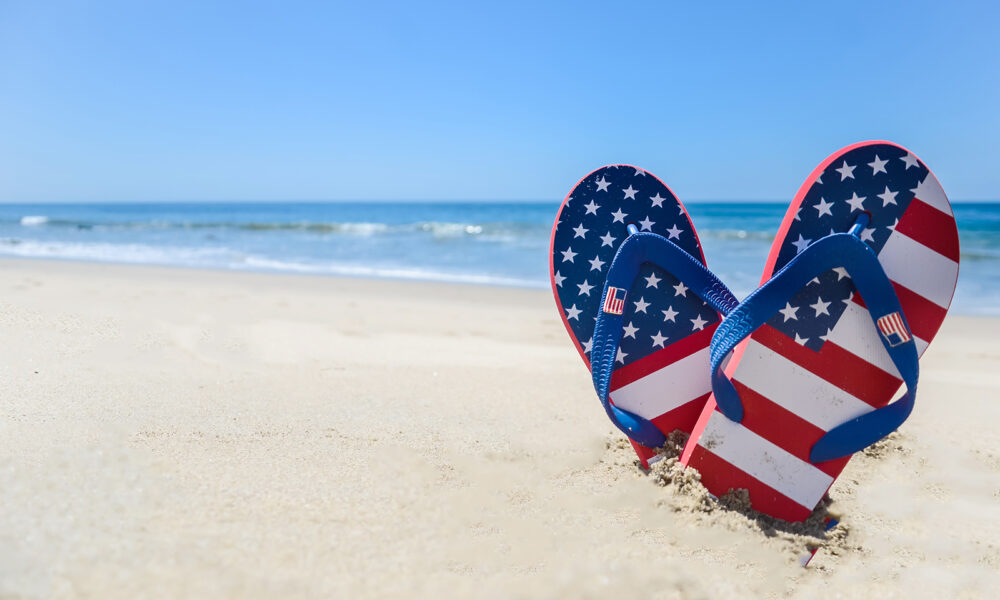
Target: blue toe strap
(835,250)
(637,249)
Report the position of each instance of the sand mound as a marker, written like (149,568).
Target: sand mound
(686,496)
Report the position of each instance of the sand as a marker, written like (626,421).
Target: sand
(170,433)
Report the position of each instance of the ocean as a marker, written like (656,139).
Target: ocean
(492,243)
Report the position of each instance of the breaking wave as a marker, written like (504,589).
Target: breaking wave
(437,229)
(228,258)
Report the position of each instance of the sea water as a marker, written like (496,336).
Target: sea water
(493,243)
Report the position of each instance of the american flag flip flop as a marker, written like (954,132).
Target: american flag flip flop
(858,281)
(653,359)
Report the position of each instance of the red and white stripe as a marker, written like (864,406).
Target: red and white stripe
(892,324)
(668,387)
(793,395)
(613,305)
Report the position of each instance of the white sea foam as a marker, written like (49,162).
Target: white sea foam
(438,229)
(361,228)
(385,272)
(119,253)
(227,258)
(504,232)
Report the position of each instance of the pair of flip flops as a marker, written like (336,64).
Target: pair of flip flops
(778,390)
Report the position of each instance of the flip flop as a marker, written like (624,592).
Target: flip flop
(629,278)
(858,281)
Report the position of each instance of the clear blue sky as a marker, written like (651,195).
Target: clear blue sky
(369,100)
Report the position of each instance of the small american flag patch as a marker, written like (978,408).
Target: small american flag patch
(614,304)
(893,329)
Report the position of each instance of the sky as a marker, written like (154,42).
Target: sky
(163,101)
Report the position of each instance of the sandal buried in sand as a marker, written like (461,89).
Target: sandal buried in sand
(629,277)
(858,281)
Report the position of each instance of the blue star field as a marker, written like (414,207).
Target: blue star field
(659,309)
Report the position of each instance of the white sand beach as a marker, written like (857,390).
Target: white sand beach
(169,433)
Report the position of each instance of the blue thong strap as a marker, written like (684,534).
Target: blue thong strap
(835,250)
(637,249)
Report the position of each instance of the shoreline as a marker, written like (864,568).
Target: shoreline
(264,271)
(540,287)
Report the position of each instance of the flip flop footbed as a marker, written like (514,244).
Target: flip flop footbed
(661,370)
(819,361)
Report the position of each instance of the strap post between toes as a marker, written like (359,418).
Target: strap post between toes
(859,225)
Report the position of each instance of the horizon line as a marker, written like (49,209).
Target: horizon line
(408,201)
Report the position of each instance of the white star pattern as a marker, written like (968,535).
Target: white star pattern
(871,181)
(888,197)
(573,313)
(878,166)
(820,307)
(789,312)
(823,207)
(659,339)
(589,223)
(856,202)
(846,171)
(801,244)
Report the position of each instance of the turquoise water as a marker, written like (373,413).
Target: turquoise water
(497,243)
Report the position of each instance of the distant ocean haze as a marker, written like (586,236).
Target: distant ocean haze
(492,243)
